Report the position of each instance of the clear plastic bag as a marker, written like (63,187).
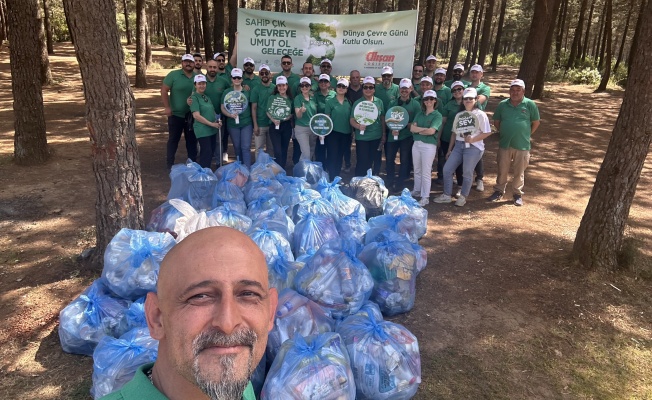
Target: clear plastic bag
(343,204)
(295,194)
(405,204)
(226,190)
(163,218)
(201,189)
(311,232)
(315,367)
(264,167)
(370,191)
(282,271)
(132,260)
(115,361)
(236,205)
(422,257)
(403,224)
(134,317)
(273,244)
(384,358)
(179,183)
(262,187)
(191,221)
(354,226)
(227,217)
(318,206)
(312,171)
(235,172)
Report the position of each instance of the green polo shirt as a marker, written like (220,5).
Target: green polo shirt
(251,82)
(387,95)
(413,108)
(321,99)
(444,95)
(340,114)
(311,109)
(204,105)
(432,120)
(140,388)
(181,87)
(215,89)
(293,80)
(244,117)
(259,95)
(449,82)
(375,130)
(485,90)
(449,111)
(516,123)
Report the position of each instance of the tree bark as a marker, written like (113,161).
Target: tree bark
(533,53)
(600,236)
(187,30)
(125,6)
(379,6)
(196,26)
(428,27)
(3,22)
(448,33)
(24,25)
(233,22)
(486,31)
(111,117)
(469,48)
(218,25)
(575,46)
(637,33)
(148,44)
(499,34)
(404,5)
(435,43)
(459,36)
(476,38)
(540,78)
(608,38)
(48,27)
(141,44)
(206,27)
(624,37)
(599,42)
(561,22)
(159,12)
(584,47)
(46,74)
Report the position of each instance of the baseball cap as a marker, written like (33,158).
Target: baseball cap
(236,72)
(219,54)
(326,61)
(304,79)
(369,79)
(431,57)
(457,83)
(426,79)
(429,93)
(470,92)
(344,82)
(405,83)
(458,66)
(187,57)
(440,71)
(477,67)
(200,78)
(281,80)
(387,70)
(248,60)
(263,66)
(518,82)
(324,77)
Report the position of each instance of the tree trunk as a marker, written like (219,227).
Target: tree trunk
(311,5)
(561,22)
(350,7)
(125,6)
(148,44)
(600,236)
(533,53)
(404,5)
(233,22)
(24,25)
(3,22)
(599,42)
(469,48)
(435,43)
(428,26)
(637,33)
(624,35)
(608,38)
(499,34)
(141,44)
(476,38)
(196,26)
(584,48)
(206,27)
(540,78)
(111,120)
(218,25)
(380,6)
(486,31)
(576,37)
(159,12)
(459,36)
(187,30)
(46,74)
(48,27)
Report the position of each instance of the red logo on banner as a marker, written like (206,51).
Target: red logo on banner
(374,56)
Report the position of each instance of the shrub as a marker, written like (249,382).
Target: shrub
(511,59)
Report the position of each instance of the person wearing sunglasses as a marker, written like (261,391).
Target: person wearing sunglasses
(424,128)
(417,74)
(338,108)
(484,91)
(467,148)
(305,106)
(223,71)
(321,96)
(280,137)
(458,73)
(368,145)
(444,94)
(204,124)
(241,132)
(259,96)
(326,67)
(448,112)
(249,78)
(387,90)
(286,71)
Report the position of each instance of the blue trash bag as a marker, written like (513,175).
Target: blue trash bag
(235,172)
(384,358)
(295,194)
(368,308)
(292,180)
(201,189)
(354,226)
(225,190)
(312,171)
(318,206)
(163,218)
(134,317)
(282,271)
(179,183)
(306,257)
(296,315)
(405,204)
(262,187)
(272,221)
(343,204)
(273,244)
(422,257)
(231,218)
(132,260)
(315,367)
(258,376)
(261,204)
(238,206)
(403,224)
(311,232)
(264,167)
(335,279)
(370,191)
(90,317)
(115,361)
(392,263)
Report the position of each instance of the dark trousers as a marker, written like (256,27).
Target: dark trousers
(347,151)
(281,141)
(479,170)
(441,160)
(296,151)
(177,126)
(320,152)
(207,146)
(404,148)
(225,138)
(336,144)
(368,156)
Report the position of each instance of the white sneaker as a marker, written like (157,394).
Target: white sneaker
(442,198)
(458,193)
(479,185)
(424,201)
(225,157)
(416,193)
(460,201)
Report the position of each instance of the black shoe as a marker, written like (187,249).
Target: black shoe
(495,197)
(518,200)
(439,181)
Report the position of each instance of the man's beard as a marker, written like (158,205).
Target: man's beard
(227,386)
(439,81)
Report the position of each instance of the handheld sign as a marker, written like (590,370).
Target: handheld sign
(321,125)
(365,113)
(236,103)
(396,119)
(464,124)
(279,109)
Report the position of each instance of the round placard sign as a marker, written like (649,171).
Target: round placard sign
(236,103)
(279,109)
(464,124)
(396,119)
(321,125)
(365,113)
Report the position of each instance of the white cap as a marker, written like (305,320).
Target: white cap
(219,54)
(248,60)
(426,79)
(458,66)
(263,66)
(369,79)
(387,70)
(305,79)
(431,57)
(429,93)
(236,72)
(343,81)
(405,83)
(324,77)
(440,71)
(281,80)
(457,83)
(477,67)
(326,61)
(187,57)
(470,92)
(518,82)
(200,78)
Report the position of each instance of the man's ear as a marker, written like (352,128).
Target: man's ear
(154,316)
(273,303)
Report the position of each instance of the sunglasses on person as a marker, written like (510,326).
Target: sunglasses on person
(469,99)
(263,73)
(286,62)
(304,85)
(368,87)
(340,86)
(248,65)
(325,66)
(457,90)
(236,77)
(387,75)
(219,60)
(429,99)
(324,81)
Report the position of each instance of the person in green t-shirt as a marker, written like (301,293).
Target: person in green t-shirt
(205,124)
(280,130)
(403,142)
(338,108)
(259,96)
(223,71)
(291,77)
(326,68)
(321,96)
(516,119)
(484,91)
(458,73)
(387,90)
(444,94)
(241,131)
(211,314)
(175,90)
(425,129)
(305,106)
(369,137)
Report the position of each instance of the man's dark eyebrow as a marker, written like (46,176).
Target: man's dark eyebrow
(212,282)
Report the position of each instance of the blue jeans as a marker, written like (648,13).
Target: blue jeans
(241,138)
(469,158)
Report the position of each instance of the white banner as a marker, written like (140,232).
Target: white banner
(366,42)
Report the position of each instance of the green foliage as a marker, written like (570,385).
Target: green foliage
(172,40)
(584,76)
(129,56)
(58,22)
(511,59)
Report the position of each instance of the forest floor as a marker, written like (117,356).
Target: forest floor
(500,311)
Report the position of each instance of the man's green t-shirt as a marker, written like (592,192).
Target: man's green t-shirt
(449,82)
(244,117)
(485,90)
(516,123)
(252,81)
(321,99)
(311,109)
(214,91)
(259,96)
(413,108)
(181,87)
(444,95)
(340,114)
(449,111)
(432,120)
(375,130)
(387,95)
(204,105)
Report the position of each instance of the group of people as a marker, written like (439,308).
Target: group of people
(446,121)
